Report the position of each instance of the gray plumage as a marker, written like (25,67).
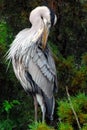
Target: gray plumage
(33,65)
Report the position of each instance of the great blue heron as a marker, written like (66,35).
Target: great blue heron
(32,60)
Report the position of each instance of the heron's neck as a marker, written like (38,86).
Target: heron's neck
(38,24)
(37,29)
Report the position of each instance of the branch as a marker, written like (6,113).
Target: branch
(73,108)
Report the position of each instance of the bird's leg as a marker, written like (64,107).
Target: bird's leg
(43,112)
(35,106)
(42,105)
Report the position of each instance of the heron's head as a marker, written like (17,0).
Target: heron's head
(49,19)
(46,17)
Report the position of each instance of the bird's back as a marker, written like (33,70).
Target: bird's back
(30,57)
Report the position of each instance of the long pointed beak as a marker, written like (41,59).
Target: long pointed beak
(45,36)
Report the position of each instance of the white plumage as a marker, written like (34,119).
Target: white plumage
(32,60)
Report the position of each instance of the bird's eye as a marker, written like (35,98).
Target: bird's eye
(41,17)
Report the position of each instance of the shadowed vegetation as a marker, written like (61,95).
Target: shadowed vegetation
(68,42)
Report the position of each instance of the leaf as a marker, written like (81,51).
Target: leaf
(16,102)
(7,106)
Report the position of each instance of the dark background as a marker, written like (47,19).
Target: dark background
(68,41)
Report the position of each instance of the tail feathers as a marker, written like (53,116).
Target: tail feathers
(50,104)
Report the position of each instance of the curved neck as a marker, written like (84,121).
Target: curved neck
(38,24)
(37,29)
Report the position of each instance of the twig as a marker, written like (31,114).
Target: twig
(73,108)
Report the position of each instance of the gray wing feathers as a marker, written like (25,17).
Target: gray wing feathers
(45,65)
(40,60)
(42,70)
(28,56)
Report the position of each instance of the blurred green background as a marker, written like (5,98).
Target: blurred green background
(68,42)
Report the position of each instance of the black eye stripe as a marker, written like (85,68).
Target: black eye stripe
(52,16)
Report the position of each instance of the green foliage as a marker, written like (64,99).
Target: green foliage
(82,1)
(65,67)
(7,106)
(53,47)
(3,32)
(65,112)
(39,126)
(65,126)
(72,74)
(6,35)
(68,42)
(84,59)
(84,127)
(7,123)
(73,28)
(11,113)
